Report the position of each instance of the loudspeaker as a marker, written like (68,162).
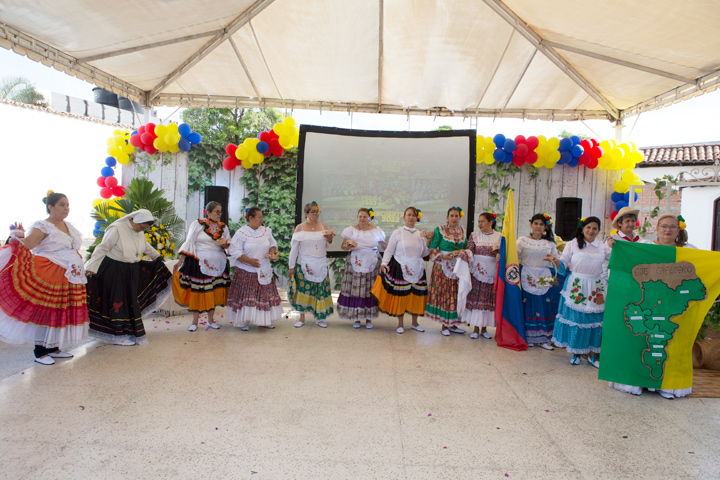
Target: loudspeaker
(568,211)
(220,195)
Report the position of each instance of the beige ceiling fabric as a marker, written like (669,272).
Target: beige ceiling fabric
(502,58)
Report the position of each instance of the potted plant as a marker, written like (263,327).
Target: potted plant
(706,351)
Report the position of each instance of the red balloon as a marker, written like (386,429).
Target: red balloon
(230,149)
(150,128)
(585,158)
(106,192)
(272,134)
(586,144)
(532,143)
(278,151)
(111,182)
(118,191)
(596,152)
(593,163)
(594,142)
(264,137)
(521,150)
(150,149)
(229,163)
(520,139)
(147,138)
(531,157)
(101,182)
(613,215)
(518,161)
(141,130)
(135,140)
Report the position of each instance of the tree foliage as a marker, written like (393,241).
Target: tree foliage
(19,89)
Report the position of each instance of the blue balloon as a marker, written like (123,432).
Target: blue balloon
(626,197)
(184,130)
(107,172)
(194,138)
(575,139)
(577,150)
(184,145)
(509,145)
(133,133)
(262,147)
(499,155)
(574,162)
(110,162)
(565,158)
(98,224)
(508,156)
(499,140)
(617,196)
(565,144)
(620,204)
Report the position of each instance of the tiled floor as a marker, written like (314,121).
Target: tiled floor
(339,403)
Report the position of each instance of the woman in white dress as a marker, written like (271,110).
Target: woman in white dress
(402,285)
(42,285)
(309,289)
(355,302)
(540,302)
(480,305)
(253,296)
(201,278)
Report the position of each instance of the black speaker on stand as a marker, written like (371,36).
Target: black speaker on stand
(220,195)
(568,211)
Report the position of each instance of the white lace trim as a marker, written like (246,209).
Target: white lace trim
(577,351)
(247,315)
(570,323)
(159,300)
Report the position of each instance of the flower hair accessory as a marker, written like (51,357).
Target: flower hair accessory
(316,204)
(419,216)
(371,212)
(548,218)
(681,222)
(246,212)
(494,215)
(49,192)
(462,214)
(582,220)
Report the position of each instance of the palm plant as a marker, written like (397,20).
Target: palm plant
(19,89)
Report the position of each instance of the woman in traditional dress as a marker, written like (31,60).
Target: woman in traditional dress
(671,232)
(578,325)
(122,287)
(253,295)
(401,285)
(355,302)
(447,244)
(484,245)
(42,285)
(309,289)
(540,300)
(201,278)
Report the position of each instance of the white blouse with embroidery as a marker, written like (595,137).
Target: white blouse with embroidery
(61,249)
(364,257)
(201,245)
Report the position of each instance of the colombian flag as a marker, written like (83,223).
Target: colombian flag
(510,332)
(657,299)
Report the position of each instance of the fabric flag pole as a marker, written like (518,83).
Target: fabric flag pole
(510,330)
(657,299)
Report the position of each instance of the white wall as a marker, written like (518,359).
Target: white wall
(697,209)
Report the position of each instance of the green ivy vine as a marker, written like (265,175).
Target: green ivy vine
(495,179)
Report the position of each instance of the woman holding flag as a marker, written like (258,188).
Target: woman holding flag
(539,293)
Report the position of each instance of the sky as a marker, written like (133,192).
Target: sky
(690,121)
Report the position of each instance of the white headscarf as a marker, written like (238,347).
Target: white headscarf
(138,216)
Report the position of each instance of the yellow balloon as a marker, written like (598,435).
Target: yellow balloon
(296,139)
(113,151)
(279,129)
(285,141)
(123,158)
(96,202)
(242,153)
(542,140)
(554,155)
(554,143)
(289,121)
(617,154)
(119,140)
(256,157)
(606,146)
(628,176)
(160,144)
(128,149)
(489,159)
(625,147)
(622,186)
(246,164)
(542,150)
(172,138)
(117,131)
(161,130)
(635,156)
(174,148)
(172,128)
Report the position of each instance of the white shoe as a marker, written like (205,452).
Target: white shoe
(486,335)
(126,343)
(456,330)
(270,327)
(214,326)
(667,395)
(546,346)
(575,360)
(531,344)
(299,324)
(356,325)
(192,328)
(245,328)
(368,325)
(418,328)
(60,355)
(45,360)
(321,324)
(445,332)
(400,330)
(474,335)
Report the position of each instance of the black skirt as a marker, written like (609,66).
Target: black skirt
(120,292)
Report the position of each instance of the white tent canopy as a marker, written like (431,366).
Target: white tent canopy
(549,59)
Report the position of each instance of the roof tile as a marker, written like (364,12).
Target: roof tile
(678,155)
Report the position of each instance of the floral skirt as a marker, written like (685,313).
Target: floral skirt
(480,304)
(355,302)
(197,291)
(37,303)
(120,293)
(307,296)
(251,302)
(395,295)
(442,298)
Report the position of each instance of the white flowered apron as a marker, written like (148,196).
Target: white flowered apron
(314,268)
(484,268)
(586,293)
(364,260)
(264,272)
(212,262)
(448,266)
(413,268)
